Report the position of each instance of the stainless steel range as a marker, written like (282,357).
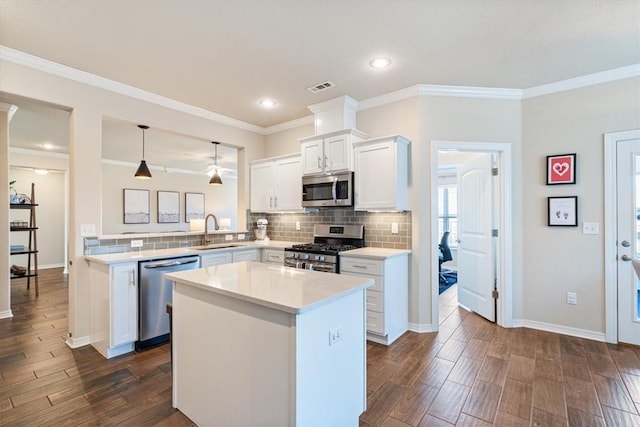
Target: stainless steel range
(323,254)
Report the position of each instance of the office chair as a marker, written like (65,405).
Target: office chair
(445,255)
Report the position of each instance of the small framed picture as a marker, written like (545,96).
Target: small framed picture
(561,169)
(136,206)
(563,211)
(193,206)
(168,206)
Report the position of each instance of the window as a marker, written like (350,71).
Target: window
(448,212)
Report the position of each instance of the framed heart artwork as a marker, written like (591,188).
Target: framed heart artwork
(561,169)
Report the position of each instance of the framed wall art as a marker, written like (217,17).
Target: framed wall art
(168,207)
(563,211)
(136,206)
(193,206)
(561,169)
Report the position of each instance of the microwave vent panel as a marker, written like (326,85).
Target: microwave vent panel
(320,87)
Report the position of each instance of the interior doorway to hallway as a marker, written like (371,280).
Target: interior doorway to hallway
(471,211)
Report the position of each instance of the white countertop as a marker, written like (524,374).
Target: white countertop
(177,252)
(375,253)
(282,288)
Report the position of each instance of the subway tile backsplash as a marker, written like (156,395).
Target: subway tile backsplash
(377,231)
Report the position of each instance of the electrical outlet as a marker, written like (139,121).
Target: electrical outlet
(87,230)
(572,298)
(335,335)
(240,236)
(298,225)
(136,243)
(228,237)
(394,228)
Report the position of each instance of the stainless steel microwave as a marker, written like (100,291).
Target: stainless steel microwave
(331,190)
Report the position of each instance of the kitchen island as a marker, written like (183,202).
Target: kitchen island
(258,344)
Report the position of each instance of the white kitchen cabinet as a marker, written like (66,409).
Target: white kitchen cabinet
(246,255)
(276,184)
(387,301)
(114,307)
(381,174)
(215,258)
(273,256)
(329,153)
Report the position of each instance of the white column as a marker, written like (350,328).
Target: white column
(85,185)
(5,281)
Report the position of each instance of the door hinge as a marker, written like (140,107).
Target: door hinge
(494,171)
(494,294)
(494,232)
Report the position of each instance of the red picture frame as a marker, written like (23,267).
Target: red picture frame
(561,169)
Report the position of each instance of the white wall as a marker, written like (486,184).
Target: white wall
(220,200)
(562,259)
(286,142)
(50,216)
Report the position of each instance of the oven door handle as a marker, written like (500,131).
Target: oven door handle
(333,190)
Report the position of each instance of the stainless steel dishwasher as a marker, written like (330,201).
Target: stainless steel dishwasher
(155,294)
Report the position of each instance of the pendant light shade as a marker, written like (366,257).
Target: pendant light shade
(143,170)
(215,178)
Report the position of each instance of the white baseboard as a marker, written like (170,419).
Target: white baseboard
(6,314)
(559,329)
(78,342)
(47,266)
(420,328)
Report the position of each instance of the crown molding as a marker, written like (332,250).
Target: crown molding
(50,67)
(344,101)
(291,124)
(583,81)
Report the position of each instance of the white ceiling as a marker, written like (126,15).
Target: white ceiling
(224,55)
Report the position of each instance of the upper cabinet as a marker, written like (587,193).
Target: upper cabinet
(276,184)
(381,174)
(329,153)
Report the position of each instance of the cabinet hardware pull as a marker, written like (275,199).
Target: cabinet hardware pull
(319,166)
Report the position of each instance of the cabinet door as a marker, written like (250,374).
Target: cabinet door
(312,157)
(215,259)
(124,303)
(273,256)
(337,152)
(375,190)
(262,187)
(288,184)
(248,255)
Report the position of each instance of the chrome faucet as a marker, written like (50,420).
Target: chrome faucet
(206,228)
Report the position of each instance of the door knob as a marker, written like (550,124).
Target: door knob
(625,244)
(626,257)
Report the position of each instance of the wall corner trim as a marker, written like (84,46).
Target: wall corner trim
(78,342)
(6,314)
(421,328)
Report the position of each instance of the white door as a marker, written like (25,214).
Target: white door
(476,258)
(628,211)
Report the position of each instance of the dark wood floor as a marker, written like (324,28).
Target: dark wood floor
(472,373)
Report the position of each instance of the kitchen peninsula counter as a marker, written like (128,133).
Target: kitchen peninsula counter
(258,344)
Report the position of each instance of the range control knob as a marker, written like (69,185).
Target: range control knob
(305,256)
(319,257)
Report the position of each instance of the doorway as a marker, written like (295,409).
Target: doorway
(622,232)
(487,256)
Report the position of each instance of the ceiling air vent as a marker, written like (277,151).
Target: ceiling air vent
(320,87)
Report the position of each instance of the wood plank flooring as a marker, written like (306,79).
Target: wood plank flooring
(471,373)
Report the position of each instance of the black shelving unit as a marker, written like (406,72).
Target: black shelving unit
(32,248)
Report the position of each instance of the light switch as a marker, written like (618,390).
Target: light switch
(394,228)
(298,225)
(590,228)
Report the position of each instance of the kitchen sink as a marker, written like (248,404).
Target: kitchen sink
(217,246)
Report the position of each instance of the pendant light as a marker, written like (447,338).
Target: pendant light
(143,171)
(215,178)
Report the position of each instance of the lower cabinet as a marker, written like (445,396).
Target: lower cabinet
(114,307)
(273,256)
(388,299)
(215,258)
(246,255)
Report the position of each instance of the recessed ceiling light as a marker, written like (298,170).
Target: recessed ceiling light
(380,62)
(267,103)
(41,171)
(48,146)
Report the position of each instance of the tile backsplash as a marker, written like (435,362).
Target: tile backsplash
(282,226)
(377,225)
